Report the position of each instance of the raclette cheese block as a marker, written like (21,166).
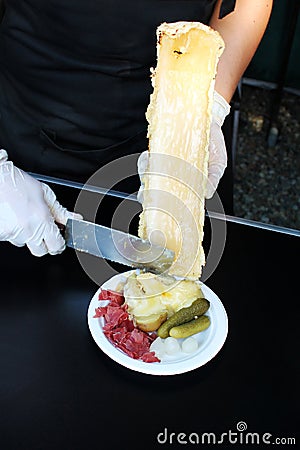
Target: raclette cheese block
(179,117)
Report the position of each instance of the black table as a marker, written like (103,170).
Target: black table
(59,391)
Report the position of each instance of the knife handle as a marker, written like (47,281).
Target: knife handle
(62,228)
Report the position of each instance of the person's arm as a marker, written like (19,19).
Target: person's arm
(242,31)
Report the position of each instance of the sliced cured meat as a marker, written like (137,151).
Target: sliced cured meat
(120,329)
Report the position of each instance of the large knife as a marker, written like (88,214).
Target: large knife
(116,246)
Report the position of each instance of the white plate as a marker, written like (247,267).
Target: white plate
(210,341)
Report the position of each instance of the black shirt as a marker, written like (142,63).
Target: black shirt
(75,78)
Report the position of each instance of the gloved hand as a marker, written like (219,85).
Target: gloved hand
(28,210)
(142,164)
(217,161)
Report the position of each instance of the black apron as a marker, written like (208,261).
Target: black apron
(75,78)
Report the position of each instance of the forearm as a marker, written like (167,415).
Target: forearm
(242,31)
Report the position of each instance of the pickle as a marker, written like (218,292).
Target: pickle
(197,308)
(189,328)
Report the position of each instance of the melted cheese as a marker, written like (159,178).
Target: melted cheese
(179,117)
(147,294)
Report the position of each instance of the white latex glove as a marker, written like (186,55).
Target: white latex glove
(142,164)
(217,160)
(28,211)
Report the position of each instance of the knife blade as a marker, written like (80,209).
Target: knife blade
(116,246)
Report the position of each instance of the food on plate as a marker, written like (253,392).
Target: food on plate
(189,328)
(183,315)
(189,345)
(114,296)
(151,298)
(179,117)
(172,346)
(120,329)
(158,347)
(151,322)
(164,348)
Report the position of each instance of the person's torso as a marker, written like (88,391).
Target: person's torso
(78,72)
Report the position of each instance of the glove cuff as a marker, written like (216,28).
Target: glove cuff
(220,108)
(3,156)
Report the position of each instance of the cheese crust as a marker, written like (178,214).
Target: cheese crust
(179,118)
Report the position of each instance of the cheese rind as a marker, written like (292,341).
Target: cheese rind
(179,117)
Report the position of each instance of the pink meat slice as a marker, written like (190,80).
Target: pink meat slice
(120,330)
